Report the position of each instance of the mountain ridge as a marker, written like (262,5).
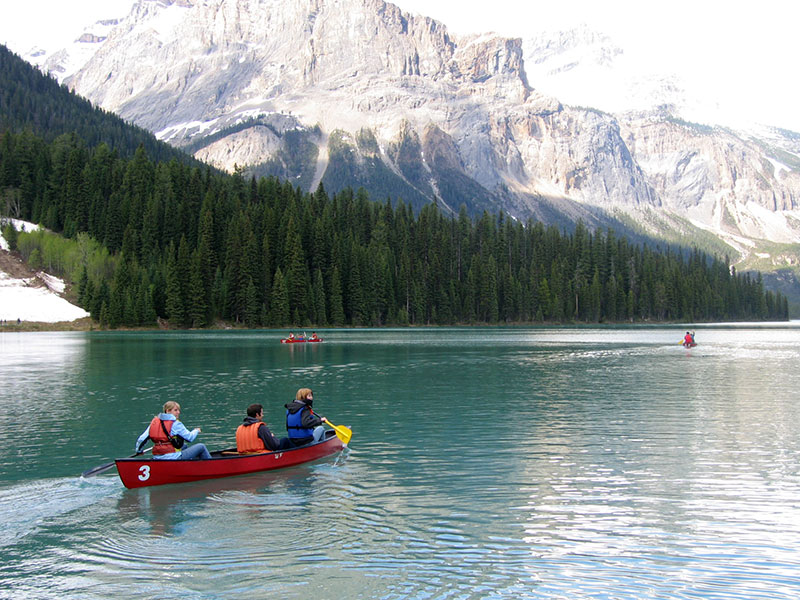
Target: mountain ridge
(355,65)
(149,240)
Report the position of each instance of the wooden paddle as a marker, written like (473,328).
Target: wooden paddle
(342,432)
(105,467)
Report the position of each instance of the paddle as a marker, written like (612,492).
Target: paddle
(342,432)
(105,467)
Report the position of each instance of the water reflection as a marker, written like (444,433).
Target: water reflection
(486,463)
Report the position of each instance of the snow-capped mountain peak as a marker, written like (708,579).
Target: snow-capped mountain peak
(571,122)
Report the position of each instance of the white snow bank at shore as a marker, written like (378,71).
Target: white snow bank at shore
(21,299)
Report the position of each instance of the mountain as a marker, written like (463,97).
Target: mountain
(739,182)
(31,100)
(185,246)
(359,92)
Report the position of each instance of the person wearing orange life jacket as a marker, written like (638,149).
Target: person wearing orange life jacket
(254,436)
(169,436)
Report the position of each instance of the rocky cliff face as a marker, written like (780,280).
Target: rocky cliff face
(744,190)
(454,120)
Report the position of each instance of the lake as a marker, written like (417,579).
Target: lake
(515,462)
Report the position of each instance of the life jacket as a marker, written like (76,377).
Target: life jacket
(688,339)
(247,440)
(294,425)
(163,440)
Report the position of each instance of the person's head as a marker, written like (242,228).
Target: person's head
(172,408)
(687,333)
(254,410)
(304,395)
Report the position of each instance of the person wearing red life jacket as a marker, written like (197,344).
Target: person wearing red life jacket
(688,340)
(169,436)
(254,436)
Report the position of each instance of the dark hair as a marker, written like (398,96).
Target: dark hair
(254,409)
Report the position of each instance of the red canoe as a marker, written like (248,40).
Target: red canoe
(299,340)
(141,472)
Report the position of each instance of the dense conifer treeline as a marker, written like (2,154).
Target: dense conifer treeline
(30,100)
(194,246)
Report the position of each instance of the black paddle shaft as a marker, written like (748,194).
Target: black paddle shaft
(106,466)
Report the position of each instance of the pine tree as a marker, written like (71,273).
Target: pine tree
(252,312)
(279,311)
(198,303)
(297,279)
(356,312)
(175,307)
(320,314)
(336,304)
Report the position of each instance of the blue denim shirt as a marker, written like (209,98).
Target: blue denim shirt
(178,428)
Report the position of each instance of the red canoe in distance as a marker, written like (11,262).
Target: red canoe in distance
(142,472)
(299,341)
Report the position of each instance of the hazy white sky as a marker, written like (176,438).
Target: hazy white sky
(27,22)
(745,51)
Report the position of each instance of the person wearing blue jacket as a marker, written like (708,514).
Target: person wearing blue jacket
(169,436)
(302,424)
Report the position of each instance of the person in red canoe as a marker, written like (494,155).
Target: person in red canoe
(291,336)
(688,340)
(169,436)
(314,336)
(254,436)
(302,424)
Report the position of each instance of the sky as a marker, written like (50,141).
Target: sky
(743,52)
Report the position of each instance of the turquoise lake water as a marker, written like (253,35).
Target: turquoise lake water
(546,462)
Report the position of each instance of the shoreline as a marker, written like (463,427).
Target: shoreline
(87,325)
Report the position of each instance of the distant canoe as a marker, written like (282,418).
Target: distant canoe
(687,345)
(299,340)
(140,472)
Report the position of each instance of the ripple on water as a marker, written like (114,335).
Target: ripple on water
(28,507)
(564,465)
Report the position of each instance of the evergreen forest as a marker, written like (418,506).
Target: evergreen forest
(147,235)
(147,240)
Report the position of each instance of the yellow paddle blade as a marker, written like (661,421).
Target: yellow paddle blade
(342,432)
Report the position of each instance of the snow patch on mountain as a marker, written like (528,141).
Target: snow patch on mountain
(585,67)
(63,62)
(165,27)
(568,116)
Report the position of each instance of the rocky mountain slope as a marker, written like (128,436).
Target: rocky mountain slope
(358,92)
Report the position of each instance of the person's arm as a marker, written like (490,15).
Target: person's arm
(310,420)
(179,428)
(270,441)
(142,439)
